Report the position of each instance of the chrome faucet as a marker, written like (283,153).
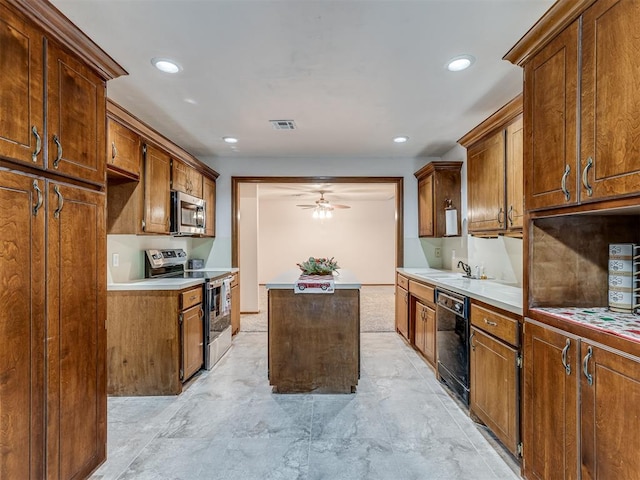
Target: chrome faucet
(465,267)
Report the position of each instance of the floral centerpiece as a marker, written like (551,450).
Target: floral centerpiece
(318,266)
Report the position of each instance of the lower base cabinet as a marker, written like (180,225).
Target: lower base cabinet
(425,331)
(402,312)
(235,304)
(582,408)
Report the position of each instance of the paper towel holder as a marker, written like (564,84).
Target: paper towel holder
(451,219)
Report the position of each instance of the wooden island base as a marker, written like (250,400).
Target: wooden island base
(314,341)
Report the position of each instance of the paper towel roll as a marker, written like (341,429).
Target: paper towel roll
(451,222)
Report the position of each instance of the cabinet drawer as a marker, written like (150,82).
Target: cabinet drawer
(498,325)
(190,298)
(402,281)
(422,291)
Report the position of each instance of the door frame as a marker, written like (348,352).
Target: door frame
(235,205)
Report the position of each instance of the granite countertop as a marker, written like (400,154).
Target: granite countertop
(343,280)
(499,295)
(167,283)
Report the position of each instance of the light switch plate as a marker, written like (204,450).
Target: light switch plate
(437,252)
(115,259)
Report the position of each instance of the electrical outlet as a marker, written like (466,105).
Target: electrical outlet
(437,252)
(115,259)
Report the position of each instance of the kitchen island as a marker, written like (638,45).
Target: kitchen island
(314,338)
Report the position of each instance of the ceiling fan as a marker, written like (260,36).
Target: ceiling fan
(322,207)
(324,203)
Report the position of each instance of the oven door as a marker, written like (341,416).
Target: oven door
(452,340)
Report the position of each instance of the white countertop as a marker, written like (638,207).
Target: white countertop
(166,283)
(344,280)
(499,295)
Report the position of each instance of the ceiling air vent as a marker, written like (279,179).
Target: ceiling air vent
(283,124)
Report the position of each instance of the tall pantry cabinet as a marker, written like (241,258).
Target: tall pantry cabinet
(52,245)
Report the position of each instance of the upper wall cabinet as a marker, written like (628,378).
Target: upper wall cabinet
(580,86)
(438,183)
(186,179)
(124,151)
(494,173)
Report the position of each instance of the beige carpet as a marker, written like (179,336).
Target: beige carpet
(377,311)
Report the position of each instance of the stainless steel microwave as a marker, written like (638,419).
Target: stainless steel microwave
(188,214)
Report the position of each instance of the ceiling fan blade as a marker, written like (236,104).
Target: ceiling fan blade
(334,205)
(306,206)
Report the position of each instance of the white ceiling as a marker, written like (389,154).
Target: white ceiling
(337,193)
(351,73)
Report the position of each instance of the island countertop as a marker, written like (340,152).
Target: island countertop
(344,279)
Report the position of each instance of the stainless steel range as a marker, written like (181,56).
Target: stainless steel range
(217,298)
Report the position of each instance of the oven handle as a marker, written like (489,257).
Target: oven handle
(217,283)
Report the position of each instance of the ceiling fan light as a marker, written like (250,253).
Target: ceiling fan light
(315,213)
(329,214)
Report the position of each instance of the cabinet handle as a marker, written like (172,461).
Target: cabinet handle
(490,323)
(38,204)
(510,215)
(56,140)
(585,366)
(114,151)
(56,214)
(565,351)
(36,152)
(567,194)
(585,176)
(473,347)
(201,314)
(501,216)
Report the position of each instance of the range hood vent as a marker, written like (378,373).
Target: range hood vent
(283,124)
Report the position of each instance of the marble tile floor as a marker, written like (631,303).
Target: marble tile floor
(401,424)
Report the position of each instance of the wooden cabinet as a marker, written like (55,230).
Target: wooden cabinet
(610,412)
(21,90)
(76,112)
(425,331)
(124,151)
(72,353)
(438,183)
(156,361)
(581,407)
(550,403)
(157,196)
(186,179)
(209,196)
(494,172)
(76,336)
(235,304)
(22,326)
(580,99)
(191,320)
(402,312)
(495,373)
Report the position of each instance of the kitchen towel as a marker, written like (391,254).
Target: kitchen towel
(225,292)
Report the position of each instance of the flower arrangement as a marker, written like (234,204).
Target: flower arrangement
(318,266)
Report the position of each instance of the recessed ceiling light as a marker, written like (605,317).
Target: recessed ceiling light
(400,139)
(166,65)
(190,101)
(230,139)
(460,62)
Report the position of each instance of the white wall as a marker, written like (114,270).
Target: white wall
(361,238)
(248,248)
(220,254)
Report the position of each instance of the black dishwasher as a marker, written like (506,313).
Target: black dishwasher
(452,341)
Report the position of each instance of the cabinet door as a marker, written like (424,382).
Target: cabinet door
(429,346)
(76,315)
(124,149)
(550,99)
(22,327)
(76,117)
(550,403)
(485,184)
(192,341)
(157,196)
(21,90)
(186,179)
(402,312)
(235,309)
(610,130)
(419,326)
(425,207)
(515,181)
(610,413)
(494,387)
(209,195)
